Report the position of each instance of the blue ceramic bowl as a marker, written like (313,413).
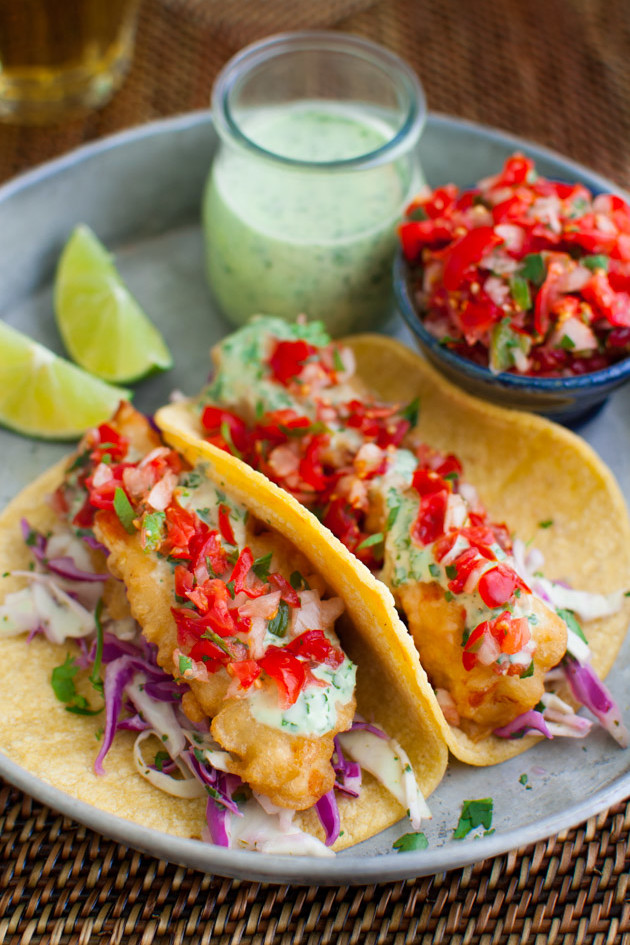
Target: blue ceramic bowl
(566,399)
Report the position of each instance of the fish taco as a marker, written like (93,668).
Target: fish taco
(215,671)
(515,624)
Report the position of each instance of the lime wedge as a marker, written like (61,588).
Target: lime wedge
(102,325)
(44,395)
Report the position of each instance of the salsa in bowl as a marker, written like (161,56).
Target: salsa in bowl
(519,288)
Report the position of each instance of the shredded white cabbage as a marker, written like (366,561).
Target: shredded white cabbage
(387,761)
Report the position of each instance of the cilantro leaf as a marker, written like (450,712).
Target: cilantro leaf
(533,268)
(411,411)
(278,624)
(475,813)
(571,621)
(595,262)
(298,582)
(62,681)
(410,841)
(261,565)
(376,539)
(124,510)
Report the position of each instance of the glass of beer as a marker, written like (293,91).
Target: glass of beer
(61,57)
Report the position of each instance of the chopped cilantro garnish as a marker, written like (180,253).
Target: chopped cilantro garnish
(533,268)
(418,213)
(161,758)
(218,641)
(571,621)
(261,565)
(124,510)
(226,433)
(411,411)
(474,814)
(451,571)
(435,570)
(62,681)
(278,624)
(410,841)
(338,361)
(230,587)
(298,582)
(567,343)
(375,539)
(548,522)
(598,261)
(527,672)
(523,779)
(449,596)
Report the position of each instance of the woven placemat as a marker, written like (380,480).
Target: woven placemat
(65,884)
(554,71)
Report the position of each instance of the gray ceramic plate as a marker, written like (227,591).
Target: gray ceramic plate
(141,191)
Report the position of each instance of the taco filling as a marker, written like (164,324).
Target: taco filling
(494,637)
(218,642)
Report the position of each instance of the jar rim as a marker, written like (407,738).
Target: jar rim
(269,48)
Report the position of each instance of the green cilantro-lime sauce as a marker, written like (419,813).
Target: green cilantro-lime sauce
(407,561)
(287,240)
(242,378)
(315,710)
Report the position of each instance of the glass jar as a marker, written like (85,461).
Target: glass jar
(317,160)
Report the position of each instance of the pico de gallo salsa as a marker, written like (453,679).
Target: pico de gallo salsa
(521,273)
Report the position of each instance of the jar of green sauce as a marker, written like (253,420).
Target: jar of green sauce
(316,162)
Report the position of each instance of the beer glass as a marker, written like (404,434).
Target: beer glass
(60,57)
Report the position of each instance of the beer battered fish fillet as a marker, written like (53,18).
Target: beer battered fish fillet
(481,699)
(291,770)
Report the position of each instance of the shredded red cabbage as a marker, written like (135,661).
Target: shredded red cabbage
(328,813)
(368,727)
(63,565)
(212,778)
(591,692)
(531,721)
(348,773)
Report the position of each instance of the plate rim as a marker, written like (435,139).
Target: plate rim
(347,868)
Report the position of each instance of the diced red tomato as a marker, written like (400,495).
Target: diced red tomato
(246,671)
(288,359)
(497,585)
(466,252)
(464,564)
(287,593)
(217,422)
(416,234)
(243,577)
(225,526)
(288,672)
(181,525)
(315,645)
(429,523)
